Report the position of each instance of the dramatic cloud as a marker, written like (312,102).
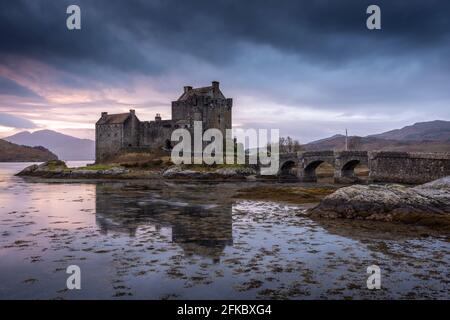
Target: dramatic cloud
(9,87)
(7,120)
(313,67)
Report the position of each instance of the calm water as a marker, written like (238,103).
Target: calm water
(167,240)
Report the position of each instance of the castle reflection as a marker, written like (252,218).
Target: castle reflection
(198,227)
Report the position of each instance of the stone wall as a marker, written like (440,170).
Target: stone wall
(214,113)
(155,134)
(405,167)
(384,166)
(131,131)
(108,141)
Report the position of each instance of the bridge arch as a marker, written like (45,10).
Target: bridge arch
(287,168)
(309,161)
(348,169)
(346,162)
(288,165)
(309,172)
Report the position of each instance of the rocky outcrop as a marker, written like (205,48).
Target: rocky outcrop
(58,169)
(388,203)
(231,173)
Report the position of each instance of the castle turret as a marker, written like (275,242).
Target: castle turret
(206,104)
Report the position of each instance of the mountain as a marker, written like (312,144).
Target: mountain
(10,152)
(64,146)
(437,130)
(432,136)
(372,144)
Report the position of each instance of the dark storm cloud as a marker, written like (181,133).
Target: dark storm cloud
(38,29)
(115,33)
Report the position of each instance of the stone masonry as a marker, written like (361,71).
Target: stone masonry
(384,166)
(116,133)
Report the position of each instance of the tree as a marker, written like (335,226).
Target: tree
(289,145)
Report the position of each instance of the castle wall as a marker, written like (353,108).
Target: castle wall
(218,116)
(179,110)
(214,113)
(154,134)
(108,140)
(131,132)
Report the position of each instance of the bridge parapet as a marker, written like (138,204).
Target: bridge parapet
(350,153)
(290,155)
(408,167)
(306,154)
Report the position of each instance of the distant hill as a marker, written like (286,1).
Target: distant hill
(437,130)
(432,136)
(64,146)
(10,152)
(372,144)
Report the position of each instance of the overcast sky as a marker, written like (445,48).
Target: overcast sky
(309,68)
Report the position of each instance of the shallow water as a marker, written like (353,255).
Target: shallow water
(168,240)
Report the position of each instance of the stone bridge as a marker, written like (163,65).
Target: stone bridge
(384,166)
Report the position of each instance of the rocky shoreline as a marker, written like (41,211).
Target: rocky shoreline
(57,169)
(427,204)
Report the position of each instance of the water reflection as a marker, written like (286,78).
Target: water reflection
(166,240)
(203,229)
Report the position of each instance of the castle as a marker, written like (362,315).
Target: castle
(115,133)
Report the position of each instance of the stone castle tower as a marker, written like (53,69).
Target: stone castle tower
(115,133)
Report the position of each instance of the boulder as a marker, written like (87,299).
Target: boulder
(387,202)
(28,170)
(53,166)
